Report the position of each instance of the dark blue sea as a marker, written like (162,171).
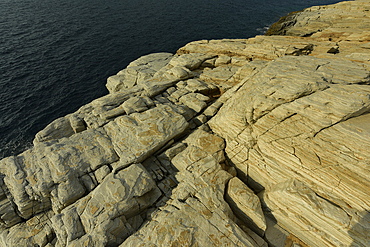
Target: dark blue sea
(56,55)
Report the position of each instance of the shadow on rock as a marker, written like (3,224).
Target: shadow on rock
(360,231)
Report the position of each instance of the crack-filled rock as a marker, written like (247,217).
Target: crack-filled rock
(196,214)
(173,155)
(246,205)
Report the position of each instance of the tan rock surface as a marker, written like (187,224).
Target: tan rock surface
(321,214)
(246,205)
(111,212)
(196,214)
(138,71)
(297,122)
(176,152)
(336,22)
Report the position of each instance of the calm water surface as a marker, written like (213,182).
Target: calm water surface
(55,55)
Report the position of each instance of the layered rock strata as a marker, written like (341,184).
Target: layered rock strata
(256,142)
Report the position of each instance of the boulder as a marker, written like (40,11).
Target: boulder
(59,128)
(137,136)
(191,61)
(138,71)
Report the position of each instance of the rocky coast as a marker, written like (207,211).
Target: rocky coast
(244,142)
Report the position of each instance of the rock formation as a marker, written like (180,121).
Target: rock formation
(254,142)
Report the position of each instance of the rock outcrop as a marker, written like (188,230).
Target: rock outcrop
(255,142)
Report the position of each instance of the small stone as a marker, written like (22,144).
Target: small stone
(161,100)
(222,60)
(77,124)
(179,72)
(194,101)
(210,111)
(179,93)
(101,173)
(181,84)
(199,120)
(137,104)
(88,182)
(170,90)
(209,63)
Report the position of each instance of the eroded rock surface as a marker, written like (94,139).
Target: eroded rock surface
(255,142)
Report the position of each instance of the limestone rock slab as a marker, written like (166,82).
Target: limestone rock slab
(287,115)
(246,205)
(298,120)
(191,61)
(49,174)
(138,71)
(59,128)
(197,212)
(35,232)
(137,136)
(104,215)
(341,20)
(306,206)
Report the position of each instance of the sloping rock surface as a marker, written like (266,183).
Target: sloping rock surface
(255,142)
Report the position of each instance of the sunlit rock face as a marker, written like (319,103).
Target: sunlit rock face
(254,142)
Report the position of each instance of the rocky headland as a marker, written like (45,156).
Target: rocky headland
(245,142)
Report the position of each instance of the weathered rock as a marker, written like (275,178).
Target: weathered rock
(37,231)
(77,124)
(191,61)
(104,215)
(138,71)
(275,235)
(279,127)
(246,205)
(137,104)
(59,128)
(194,101)
(115,112)
(271,47)
(101,173)
(179,93)
(260,47)
(333,21)
(222,60)
(220,76)
(137,136)
(198,86)
(196,213)
(154,162)
(305,206)
(167,78)
(48,175)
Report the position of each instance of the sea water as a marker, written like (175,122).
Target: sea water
(56,55)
